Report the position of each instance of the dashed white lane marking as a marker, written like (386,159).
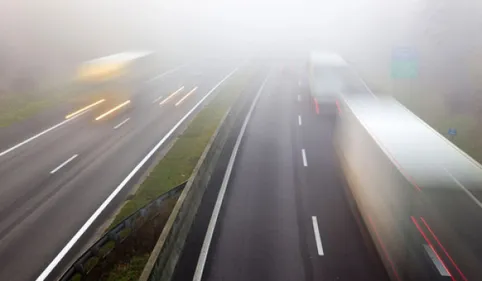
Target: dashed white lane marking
(316,230)
(64,163)
(303,154)
(58,258)
(165,73)
(436,261)
(186,96)
(121,123)
(112,110)
(157,99)
(42,133)
(219,201)
(299,98)
(171,95)
(299,120)
(84,109)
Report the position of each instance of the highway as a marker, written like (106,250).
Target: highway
(57,179)
(284,214)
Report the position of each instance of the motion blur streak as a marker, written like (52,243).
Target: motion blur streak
(186,96)
(112,110)
(443,248)
(397,164)
(431,246)
(385,253)
(171,95)
(338,106)
(84,109)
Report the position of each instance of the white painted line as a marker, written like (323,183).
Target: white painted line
(303,153)
(45,273)
(476,201)
(42,133)
(299,98)
(316,230)
(121,123)
(436,261)
(165,73)
(186,96)
(299,120)
(63,164)
(113,110)
(171,95)
(219,201)
(157,99)
(84,108)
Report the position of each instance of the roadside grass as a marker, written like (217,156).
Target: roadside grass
(179,162)
(173,169)
(129,271)
(14,108)
(18,106)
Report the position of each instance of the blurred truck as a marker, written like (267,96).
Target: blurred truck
(331,77)
(115,78)
(417,193)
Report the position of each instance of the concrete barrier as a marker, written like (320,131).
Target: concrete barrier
(168,249)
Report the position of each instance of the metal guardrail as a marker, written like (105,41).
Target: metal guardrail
(103,247)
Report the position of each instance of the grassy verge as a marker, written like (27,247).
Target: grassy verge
(130,270)
(173,169)
(177,165)
(14,108)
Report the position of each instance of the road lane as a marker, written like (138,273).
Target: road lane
(52,207)
(265,230)
(20,131)
(349,253)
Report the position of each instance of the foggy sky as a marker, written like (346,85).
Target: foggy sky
(51,35)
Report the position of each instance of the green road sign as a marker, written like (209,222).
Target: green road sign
(404,63)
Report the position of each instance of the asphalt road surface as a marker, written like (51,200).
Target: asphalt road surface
(285,215)
(53,180)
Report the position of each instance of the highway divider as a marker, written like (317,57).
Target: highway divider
(167,251)
(106,244)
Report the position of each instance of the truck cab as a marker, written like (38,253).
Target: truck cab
(330,78)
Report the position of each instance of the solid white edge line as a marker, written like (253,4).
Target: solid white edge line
(316,230)
(101,208)
(121,123)
(436,261)
(299,120)
(219,201)
(476,201)
(64,163)
(42,133)
(303,154)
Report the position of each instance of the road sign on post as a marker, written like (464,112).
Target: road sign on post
(452,133)
(404,63)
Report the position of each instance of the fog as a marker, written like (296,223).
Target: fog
(40,39)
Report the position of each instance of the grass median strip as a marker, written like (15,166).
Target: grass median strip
(173,169)
(177,165)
